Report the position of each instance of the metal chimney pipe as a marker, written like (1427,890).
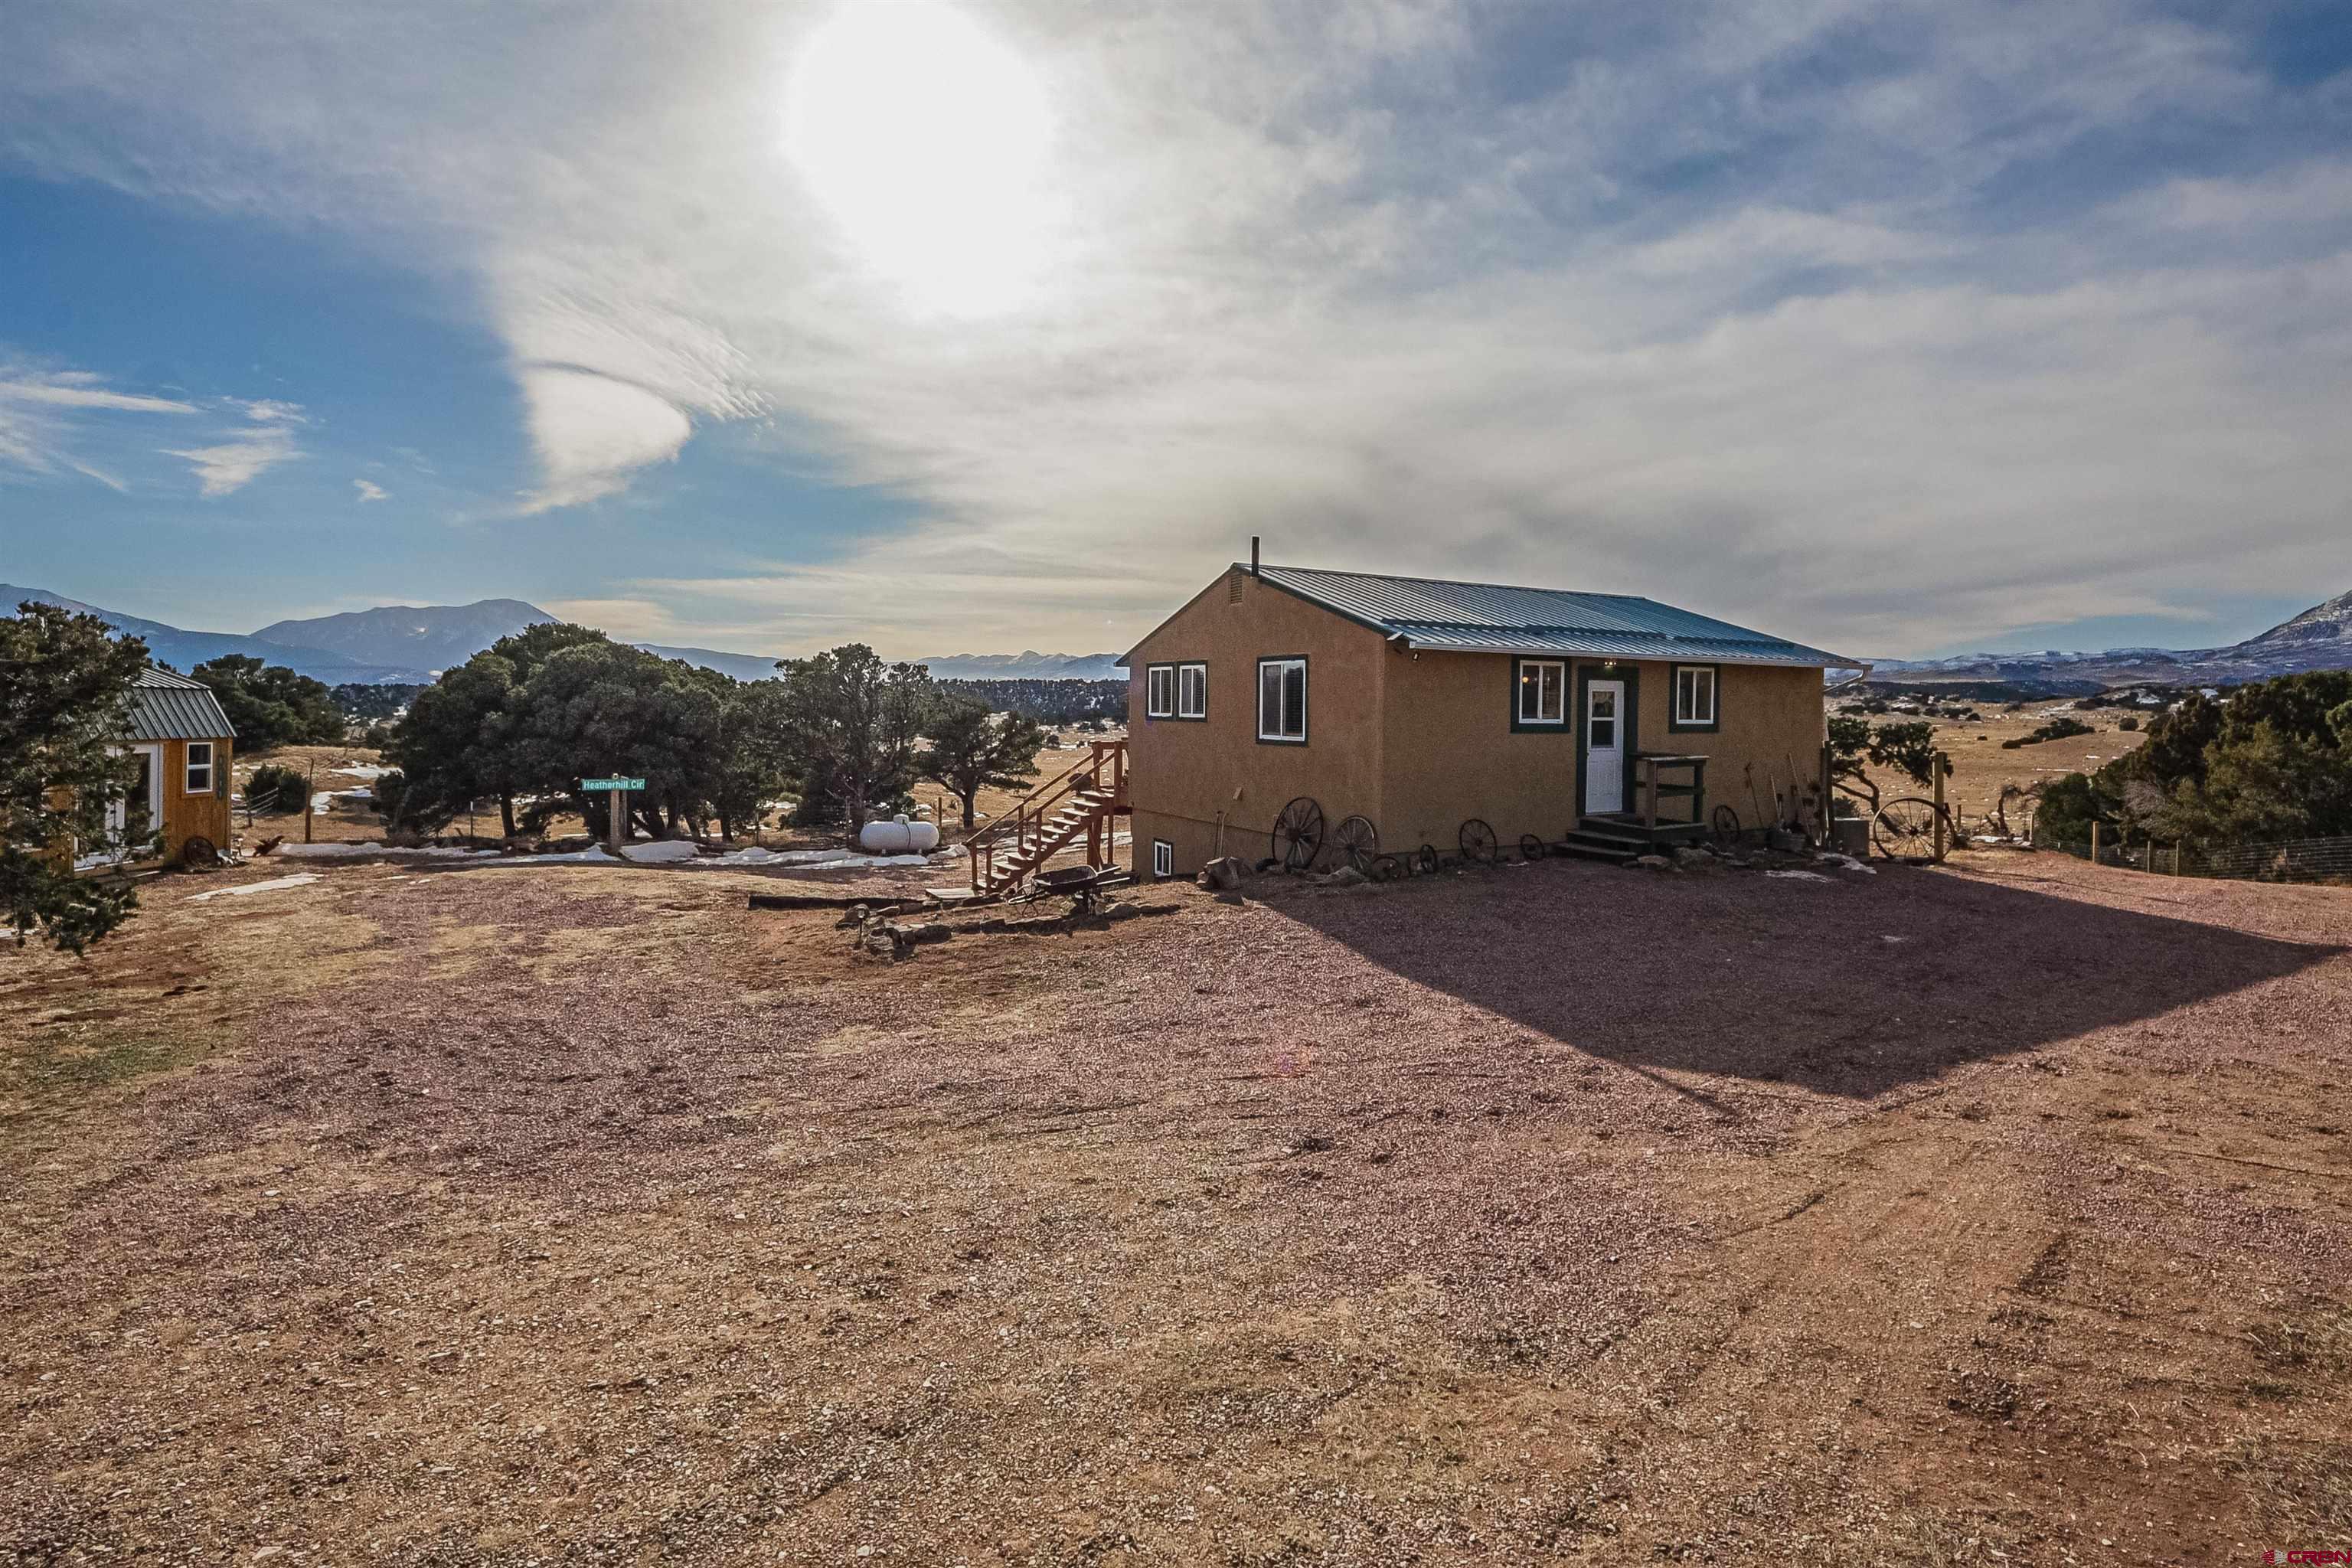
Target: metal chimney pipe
(1253,554)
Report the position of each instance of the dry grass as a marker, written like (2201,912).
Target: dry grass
(1980,767)
(573,1215)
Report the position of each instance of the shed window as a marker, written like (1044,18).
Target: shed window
(1191,691)
(200,767)
(1160,691)
(1695,707)
(1282,700)
(1543,692)
(1164,857)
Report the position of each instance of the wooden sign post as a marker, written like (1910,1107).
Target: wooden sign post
(616,814)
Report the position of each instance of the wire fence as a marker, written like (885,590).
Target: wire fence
(2281,860)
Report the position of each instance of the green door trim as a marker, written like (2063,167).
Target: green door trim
(1627,722)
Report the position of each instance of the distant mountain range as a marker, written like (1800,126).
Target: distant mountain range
(412,637)
(416,642)
(1028,666)
(2320,638)
(184,651)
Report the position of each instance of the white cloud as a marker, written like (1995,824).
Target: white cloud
(230,465)
(1738,306)
(244,456)
(269,411)
(45,418)
(593,432)
(631,620)
(370,490)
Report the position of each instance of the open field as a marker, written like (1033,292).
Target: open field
(1979,765)
(2000,1213)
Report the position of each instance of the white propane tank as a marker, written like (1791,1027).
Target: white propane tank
(899,836)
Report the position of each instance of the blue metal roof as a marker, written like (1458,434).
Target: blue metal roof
(167,707)
(1486,618)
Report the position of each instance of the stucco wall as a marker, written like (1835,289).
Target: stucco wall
(1453,752)
(1771,722)
(1185,773)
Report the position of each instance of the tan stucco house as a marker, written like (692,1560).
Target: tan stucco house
(1421,705)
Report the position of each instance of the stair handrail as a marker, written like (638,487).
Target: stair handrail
(1030,811)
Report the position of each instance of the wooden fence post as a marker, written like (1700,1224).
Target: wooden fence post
(1942,829)
(2094,841)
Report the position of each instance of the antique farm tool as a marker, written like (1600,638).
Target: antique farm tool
(1299,835)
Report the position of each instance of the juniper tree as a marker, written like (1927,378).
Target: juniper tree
(65,708)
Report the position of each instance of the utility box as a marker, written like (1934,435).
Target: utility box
(1849,836)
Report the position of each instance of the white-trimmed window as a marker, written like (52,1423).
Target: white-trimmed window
(200,768)
(1160,691)
(1694,696)
(1282,700)
(1191,691)
(1164,857)
(1543,692)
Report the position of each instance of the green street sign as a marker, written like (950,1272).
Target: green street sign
(612,783)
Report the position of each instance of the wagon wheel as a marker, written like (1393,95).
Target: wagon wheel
(1531,848)
(1425,860)
(1385,869)
(1358,840)
(1476,839)
(197,850)
(1299,835)
(1724,827)
(1904,829)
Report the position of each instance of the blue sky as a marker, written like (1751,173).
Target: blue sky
(1905,329)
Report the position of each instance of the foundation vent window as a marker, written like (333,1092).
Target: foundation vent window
(1164,857)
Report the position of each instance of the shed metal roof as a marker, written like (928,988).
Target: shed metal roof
(1488,618)
(167,707)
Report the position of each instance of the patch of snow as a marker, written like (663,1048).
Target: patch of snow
(275,884)
(383,851)
(596,856)
(324,801)
(367,770)
(1799,876)
(661,851)
(1848,863)
(817,859)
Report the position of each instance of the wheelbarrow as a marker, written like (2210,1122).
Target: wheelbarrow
(1084,885)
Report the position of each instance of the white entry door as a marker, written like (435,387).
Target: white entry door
(1604,747)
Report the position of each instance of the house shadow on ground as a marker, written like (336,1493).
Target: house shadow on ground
(1851,987)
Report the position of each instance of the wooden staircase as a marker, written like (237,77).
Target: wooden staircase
(1082,802)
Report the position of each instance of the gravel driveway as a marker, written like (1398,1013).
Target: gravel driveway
(1545,1214)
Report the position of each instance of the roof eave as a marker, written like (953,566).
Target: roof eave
(1811,658)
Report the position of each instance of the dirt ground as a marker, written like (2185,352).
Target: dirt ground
(1979,765)
(1993,1214)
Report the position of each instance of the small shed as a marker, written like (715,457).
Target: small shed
(183,743)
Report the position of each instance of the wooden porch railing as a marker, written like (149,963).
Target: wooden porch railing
(1089,793)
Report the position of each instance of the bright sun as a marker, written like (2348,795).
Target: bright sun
(925,139)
